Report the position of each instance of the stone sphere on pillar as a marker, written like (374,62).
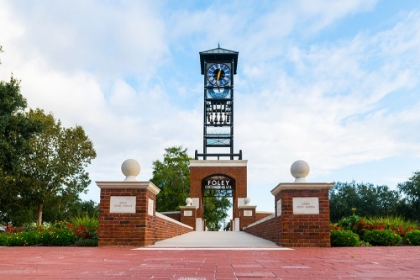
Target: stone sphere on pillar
(247,200)
(130,168)
(300,169)
(188,201)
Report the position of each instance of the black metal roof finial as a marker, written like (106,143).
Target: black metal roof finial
(218,45)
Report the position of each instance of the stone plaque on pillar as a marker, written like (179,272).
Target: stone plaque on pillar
(278,205)
(122,204)
(305,205)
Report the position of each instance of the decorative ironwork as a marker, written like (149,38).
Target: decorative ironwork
(218,112)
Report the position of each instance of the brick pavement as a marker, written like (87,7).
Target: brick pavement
(122,262)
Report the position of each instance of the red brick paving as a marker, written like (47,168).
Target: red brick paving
(122,263)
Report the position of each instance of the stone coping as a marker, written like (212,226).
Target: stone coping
(217,163)
(247,207)
(264,212)
(129,185)
(170,212)
(260,221)
(159,215)
(301,186)
(188,207)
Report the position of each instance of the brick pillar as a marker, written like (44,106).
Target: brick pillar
(246,215)
(124,211)
(189,215)
(303,214)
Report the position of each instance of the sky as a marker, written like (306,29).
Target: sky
(334,83)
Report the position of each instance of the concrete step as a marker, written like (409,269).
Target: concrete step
(220,239)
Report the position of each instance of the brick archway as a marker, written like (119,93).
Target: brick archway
(234,169)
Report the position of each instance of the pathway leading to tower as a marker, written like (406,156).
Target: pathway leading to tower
(215,239)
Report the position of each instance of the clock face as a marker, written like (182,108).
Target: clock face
(218,75)
(218,92)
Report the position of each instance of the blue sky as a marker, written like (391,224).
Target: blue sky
(334,83)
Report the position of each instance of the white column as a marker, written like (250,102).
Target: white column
(198,224)
(236,225)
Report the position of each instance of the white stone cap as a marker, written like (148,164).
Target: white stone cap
(129,185)
(213,163)
(301,186)
(247,206)
(188,207)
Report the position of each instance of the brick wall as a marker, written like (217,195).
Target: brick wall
(161,229)
(269,230)
(176,216)
(261,215)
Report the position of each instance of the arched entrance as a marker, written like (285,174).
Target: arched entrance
(217,192)
(217,178)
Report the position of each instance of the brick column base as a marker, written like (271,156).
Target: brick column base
(124,211)
(189,215)
(303,214)
(247,215)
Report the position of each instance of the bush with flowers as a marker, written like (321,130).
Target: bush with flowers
(59,233)
(387,230)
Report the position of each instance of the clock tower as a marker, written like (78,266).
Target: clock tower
(218,171)
(218,67)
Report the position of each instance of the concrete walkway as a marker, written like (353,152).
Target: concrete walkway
(215,239)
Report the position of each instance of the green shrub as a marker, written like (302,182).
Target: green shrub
(25,238)
(86,221)
(348,223)
(87,242)
(60,224)
(413,237)
(4,237)
(59,237)
(344,238)
(385,237)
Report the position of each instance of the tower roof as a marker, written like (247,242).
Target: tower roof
(218,54)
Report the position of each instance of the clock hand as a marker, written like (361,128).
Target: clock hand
(218,75)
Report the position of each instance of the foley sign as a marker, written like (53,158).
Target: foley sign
(218,185)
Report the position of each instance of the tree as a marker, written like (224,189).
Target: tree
(54,169)
(172,176)
(410,206)
(215,211)
(16,129)
(366,198)
(75,208)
